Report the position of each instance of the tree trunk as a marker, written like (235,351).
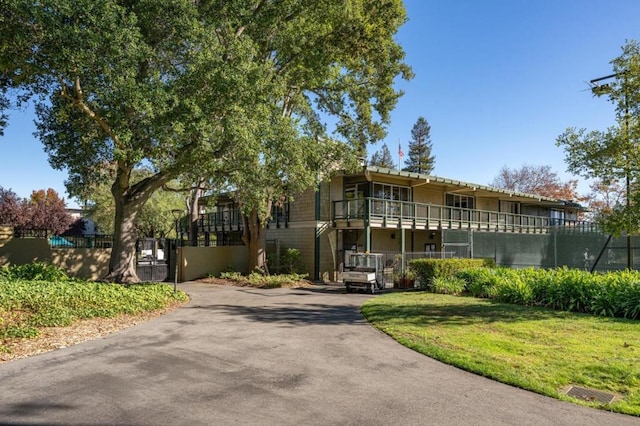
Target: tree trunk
(128,202)
(254,238)
(122,264)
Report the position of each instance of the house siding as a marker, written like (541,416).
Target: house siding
(428,196)
(303,206)
(300,237)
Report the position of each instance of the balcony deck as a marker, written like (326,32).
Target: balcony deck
(381,213)
(229,221)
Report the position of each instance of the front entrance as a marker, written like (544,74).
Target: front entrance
(153,256)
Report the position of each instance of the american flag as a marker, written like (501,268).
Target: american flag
(400,153)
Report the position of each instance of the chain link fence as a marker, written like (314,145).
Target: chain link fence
(555,248)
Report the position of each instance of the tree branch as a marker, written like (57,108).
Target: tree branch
(78,101)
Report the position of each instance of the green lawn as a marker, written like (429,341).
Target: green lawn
(536,349)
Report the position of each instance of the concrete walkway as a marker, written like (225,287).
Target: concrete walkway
(264,357)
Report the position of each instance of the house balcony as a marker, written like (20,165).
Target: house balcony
(231,220)
(382,213)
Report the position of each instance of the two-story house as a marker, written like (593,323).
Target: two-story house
(391,211)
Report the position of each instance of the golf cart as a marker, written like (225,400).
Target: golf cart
(364,270)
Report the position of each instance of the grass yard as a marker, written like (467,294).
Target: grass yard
(538,349)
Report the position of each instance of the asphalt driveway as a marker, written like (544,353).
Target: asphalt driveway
(264,357)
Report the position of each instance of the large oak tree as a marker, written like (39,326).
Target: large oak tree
(181,85)
(325,58)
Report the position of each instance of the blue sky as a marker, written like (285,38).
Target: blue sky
(497,80)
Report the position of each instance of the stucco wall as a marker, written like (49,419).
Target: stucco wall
(20,251)
(91,264)
(198,262)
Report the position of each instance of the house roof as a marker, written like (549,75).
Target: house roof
(454,185)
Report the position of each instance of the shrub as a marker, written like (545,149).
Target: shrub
(256,279)
(273,281)
(292,261)
(613,294)
(510,287)
(33,272)
(449,285)
(235,276)
(289,262)
(479,282)
(428,269)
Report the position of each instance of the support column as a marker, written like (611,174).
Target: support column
(367,238)
(402,250)
(367,226)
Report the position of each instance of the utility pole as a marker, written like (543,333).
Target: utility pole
(601,89)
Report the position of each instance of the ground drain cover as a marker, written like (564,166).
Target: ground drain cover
(591,395)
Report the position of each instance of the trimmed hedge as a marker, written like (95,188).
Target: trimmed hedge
(427,270)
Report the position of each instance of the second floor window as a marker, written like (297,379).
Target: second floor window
(391,192)
(509,207)
(460,201)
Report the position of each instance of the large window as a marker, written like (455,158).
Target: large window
(512,207)
(391,192)
(354,199)
(557,216)
(461,201)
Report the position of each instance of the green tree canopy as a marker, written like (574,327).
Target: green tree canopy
(329,58)
(420,159)
(383,158)
(612,155)
(178,86)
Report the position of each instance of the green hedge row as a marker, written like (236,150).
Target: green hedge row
(613,294)
(427,270)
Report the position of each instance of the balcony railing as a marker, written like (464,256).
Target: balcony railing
(231,220)
(389,213)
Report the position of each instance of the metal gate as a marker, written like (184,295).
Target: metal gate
(153,258)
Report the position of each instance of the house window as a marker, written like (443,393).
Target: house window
(354,191)
(460,201)
(557,216)
(391,192)
(511,207)
(354,199)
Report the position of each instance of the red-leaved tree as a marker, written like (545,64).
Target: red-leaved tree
(11,208)
(46,210)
